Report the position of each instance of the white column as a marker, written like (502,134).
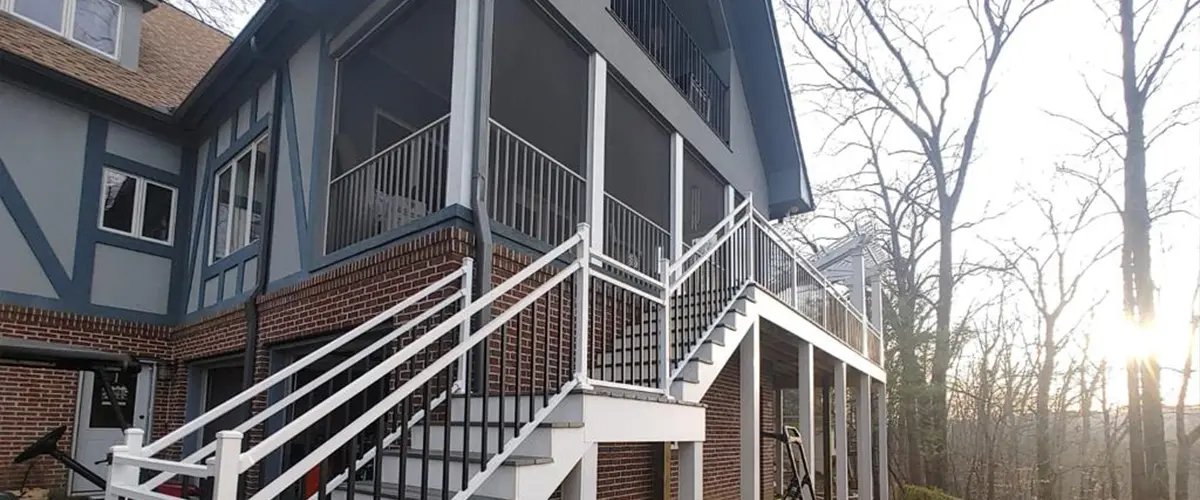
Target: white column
(841,444)
(882,425)
(877,304)
(597,111)
(583,298)
(866,478)
(807,409)
(224,465)
(580,483)
(121,474)
(463,92)
(691,470)
(730,199)
(858,290)
(751,420)
(676,196)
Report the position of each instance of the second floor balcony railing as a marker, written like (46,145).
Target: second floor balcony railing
(665,39)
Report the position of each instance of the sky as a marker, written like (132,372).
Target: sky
(1044,70)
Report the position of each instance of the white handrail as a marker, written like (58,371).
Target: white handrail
(623,267)
(302,422)
(711,249)
(198,423)
(535,149)
(635,213)
(408,138)
(696,246)
(294,473)
(296,394)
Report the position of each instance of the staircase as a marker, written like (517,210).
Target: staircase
(580,350)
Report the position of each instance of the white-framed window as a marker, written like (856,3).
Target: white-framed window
(95,24)
(138,207)
(238,192)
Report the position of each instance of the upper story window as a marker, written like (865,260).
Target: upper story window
(95,24)
(137,207)
(238,193)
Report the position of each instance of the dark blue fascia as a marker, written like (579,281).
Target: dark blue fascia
(295,168)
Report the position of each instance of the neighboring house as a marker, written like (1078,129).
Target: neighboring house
(311,209)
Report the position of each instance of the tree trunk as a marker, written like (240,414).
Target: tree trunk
(939,467)
(1137,230)
(1184,452)
(1045,473)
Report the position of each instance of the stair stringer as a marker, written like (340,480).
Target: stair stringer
(702,368)
(606,418)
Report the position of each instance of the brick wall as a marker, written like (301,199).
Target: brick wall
(722,447)
(33,401)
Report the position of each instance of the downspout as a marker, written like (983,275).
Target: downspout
(479,184)
(263,269)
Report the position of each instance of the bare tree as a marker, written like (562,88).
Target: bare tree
(1185,439)
(884,56)
(225,15)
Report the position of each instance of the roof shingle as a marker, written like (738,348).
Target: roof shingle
(176,51)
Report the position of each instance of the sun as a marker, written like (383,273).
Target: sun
(1124,341)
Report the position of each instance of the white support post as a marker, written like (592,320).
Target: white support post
(751,416)
(730,199)
(862,424)
(580,483)
(841,442)
(676,196)
(596,113)
(691,470)
(123,474)
(877,305)
(583,297)
(664,319)
(882,444)
(858,291)
(464,330)
(463,92)
(224,465)
(807,408)
(751,236)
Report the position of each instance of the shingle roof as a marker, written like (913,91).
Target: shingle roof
(176,51)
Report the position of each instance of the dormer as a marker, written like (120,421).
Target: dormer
(109,28)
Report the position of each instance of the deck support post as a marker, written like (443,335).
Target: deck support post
(863,424)
(751,416)
(580,483)
(841,442)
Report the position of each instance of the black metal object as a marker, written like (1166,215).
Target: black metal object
(798,459)
(48,445)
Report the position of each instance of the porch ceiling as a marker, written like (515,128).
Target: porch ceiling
(780,357)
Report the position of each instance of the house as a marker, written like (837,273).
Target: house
(342,279)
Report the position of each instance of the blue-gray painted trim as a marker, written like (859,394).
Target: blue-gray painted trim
(219,306)
(178,296)
(273,464)
(235,259)
(254,104)
(198,253)
(236,145)
(141,169)
(131,243)
(446,217)
(192,406)
(74,307)
(296,173)
(322,116)
(233,122)
(241,276)
(220,286)
(18,209)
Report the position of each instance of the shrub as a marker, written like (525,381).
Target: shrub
(913,492)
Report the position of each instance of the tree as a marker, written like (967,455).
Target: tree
(225,15)
(1186,439)
(1051,274)
(914,86)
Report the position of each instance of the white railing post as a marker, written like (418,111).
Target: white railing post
(224,466)
(676,176)
(125,475)
(751,224)
(664,336)
(583,297)
(464,329)
(597,111)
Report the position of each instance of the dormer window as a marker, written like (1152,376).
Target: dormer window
(95,24)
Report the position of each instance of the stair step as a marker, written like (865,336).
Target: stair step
(543,425)
(472,457)
(392,491)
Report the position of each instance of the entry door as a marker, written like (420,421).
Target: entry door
(97,429)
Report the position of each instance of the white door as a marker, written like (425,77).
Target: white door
(97,428)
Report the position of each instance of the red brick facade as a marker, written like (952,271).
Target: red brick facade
(331,302)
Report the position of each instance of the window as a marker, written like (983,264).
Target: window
(95,24)
(137,207)
(238,195)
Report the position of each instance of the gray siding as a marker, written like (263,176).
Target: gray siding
(42,143)
(133,280)
(739,162)
(19,269)
(143,148)
(130,46)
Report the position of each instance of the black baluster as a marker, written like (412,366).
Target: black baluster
(446,429)
(352,460)
(425,437)
(405,414)
(503,394)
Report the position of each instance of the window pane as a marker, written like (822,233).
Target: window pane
(241,200)
(96,24)
(47,12)
(120,191)
(221,224)
(260,186)
(156,220)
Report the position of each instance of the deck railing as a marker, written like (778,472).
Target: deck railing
(632,238)
(665,39)
(396,186)
(530,191)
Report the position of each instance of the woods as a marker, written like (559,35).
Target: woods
(1031,354)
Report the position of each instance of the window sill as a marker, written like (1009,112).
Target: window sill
(128,241)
